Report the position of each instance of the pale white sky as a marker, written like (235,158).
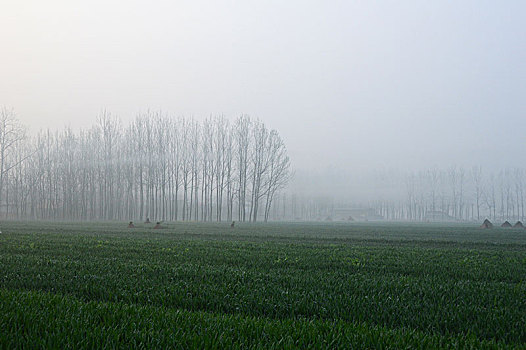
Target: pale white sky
(348,84)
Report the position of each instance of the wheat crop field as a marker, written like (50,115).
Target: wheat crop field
(277,285)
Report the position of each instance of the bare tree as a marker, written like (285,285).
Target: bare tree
(242,139)
(476,175)
(11,134)
(279,171)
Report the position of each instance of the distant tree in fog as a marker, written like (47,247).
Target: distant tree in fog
(155,167)
(242,130)
(279,170)
(476,175)
(12,134)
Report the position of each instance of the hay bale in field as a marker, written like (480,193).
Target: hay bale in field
(158,226)
(518,224)
(486,224)
(506,224)
(147,221)
(131,225)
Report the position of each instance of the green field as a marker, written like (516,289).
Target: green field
(94,285)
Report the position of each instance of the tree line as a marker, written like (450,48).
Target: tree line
(450,194)
(466,194)
(155,167)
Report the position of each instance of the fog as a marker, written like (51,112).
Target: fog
(355,89)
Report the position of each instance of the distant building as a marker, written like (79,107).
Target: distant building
(356,214)
(435,215)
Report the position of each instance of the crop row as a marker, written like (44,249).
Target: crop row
(43,320)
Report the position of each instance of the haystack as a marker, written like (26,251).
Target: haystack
(506,224)
(486,224)
(131,225)
(518,224)
(158,225)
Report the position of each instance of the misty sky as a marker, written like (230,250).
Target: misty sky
(348,84)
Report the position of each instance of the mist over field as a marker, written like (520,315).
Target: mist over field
(364,95)
(262,174)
